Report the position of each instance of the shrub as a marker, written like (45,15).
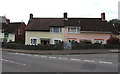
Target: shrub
(113,40)
(86,41)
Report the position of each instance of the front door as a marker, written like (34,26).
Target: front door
(45,41)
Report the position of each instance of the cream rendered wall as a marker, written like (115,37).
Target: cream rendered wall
(39,34)
(11,37)
(1,37)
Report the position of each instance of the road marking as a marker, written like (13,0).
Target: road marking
(53,57)
(36,55)
(89,60)
(14,53)
(114,50)
(43,56)
(76,59)
(105,62)
(22,54)
(28,54)
(63,58)
(13,62)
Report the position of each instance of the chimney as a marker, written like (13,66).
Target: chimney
(31,16)
(65,16)
(103,16)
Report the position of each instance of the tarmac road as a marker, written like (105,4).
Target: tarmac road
(21,62)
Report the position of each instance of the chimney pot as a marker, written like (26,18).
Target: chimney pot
(31,16)
(103,16)
(65,16)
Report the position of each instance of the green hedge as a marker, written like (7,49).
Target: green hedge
(95,46)
(32,47)
(75,46)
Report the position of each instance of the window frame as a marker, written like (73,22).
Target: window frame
(101,41)
(59,29)
(76,30)
(60,40)
(32,39)
(20,31)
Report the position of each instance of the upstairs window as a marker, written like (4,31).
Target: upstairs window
(19,31)
(56,29)
(73,29)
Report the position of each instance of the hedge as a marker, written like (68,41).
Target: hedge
(75,46)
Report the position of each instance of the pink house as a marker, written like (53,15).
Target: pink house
(97,30)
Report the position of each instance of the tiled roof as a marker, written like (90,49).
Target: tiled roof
(89,24)
(43,24)
(12,27)
(86,24)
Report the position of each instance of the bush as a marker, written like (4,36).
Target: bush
(113,40)
(32,47)
(86,41)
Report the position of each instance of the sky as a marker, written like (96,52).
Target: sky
(19,10)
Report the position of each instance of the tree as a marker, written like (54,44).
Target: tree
(114,21)
(113,40)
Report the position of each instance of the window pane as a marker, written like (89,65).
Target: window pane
(69,30)
(73,30)
(60,29)
(55,29)
(78,30)
(33,41)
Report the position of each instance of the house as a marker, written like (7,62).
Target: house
(54,30)
(3,19)
(44,31)
(97,30)
(13,31)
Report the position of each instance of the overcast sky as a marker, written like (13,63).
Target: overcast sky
(19,10)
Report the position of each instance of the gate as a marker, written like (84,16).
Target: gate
(68,45)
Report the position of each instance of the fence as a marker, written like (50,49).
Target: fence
(75,46)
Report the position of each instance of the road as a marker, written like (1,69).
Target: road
(20,62)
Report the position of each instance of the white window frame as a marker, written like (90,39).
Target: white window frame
(52,30)
(99,41)
(34,38)
(73,32)
(56,39)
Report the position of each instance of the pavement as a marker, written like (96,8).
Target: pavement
(64,52)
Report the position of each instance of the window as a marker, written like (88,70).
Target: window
(99,41)
(33,41)
(56,41)
(56,29)
(19,32)
(6,35)
(45,41)
(74,30)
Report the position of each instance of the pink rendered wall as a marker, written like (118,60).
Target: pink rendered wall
(86,36)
